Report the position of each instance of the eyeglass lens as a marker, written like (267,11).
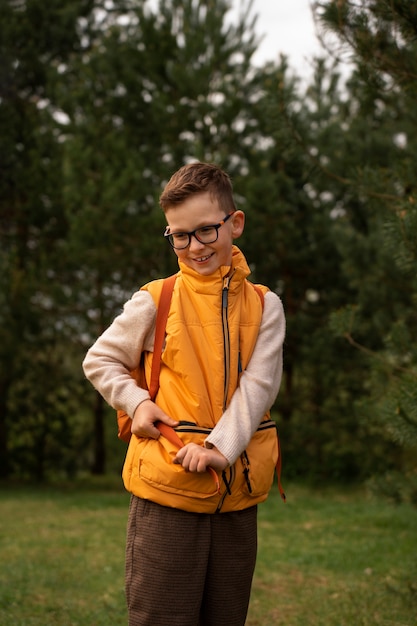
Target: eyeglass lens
(207,234)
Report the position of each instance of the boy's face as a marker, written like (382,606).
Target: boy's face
(201,210)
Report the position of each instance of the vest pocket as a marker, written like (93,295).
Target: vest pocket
(155,469)
(256,465)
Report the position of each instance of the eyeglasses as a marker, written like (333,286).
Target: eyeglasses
(205,234)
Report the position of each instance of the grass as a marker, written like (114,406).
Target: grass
(327,558)
(335,558)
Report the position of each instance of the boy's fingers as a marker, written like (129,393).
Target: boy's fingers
(147,430)
(179,456)
(162,417)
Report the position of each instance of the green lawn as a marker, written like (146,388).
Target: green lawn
(332,557)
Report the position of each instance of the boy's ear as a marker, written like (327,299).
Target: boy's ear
(238,223)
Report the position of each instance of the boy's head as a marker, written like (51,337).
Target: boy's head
(198,178)
(202,217)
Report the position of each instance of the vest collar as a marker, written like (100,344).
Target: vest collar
(238,271)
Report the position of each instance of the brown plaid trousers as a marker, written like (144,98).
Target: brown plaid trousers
(188,569)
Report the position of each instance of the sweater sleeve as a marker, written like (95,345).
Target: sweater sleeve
(117,351)
(258,386)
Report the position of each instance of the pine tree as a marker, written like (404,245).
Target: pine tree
(295,249)
(36,39)
(378,223)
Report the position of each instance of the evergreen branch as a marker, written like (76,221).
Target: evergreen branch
(348,182)
(405,417)
(375,355)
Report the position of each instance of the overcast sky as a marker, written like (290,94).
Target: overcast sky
(288,27)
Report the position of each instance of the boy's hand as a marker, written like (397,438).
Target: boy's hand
(144,418)
(195,458)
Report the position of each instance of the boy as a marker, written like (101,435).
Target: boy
(191,551)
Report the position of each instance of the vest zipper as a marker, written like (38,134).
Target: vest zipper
(246,469)
(226,338)
(228,481)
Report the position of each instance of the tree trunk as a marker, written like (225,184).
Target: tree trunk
(4,448)
(99,462)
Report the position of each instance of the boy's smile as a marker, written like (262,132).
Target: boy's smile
(195,212)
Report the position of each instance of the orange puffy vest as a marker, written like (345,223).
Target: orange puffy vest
(210,335)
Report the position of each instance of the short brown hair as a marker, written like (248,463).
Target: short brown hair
(198,178)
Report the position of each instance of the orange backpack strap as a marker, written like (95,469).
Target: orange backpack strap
(260,294)
(160,326)
(124,422)
(278,468)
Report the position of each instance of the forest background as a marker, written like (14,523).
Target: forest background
(99,103)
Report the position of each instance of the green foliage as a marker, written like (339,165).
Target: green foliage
(31,211)
(377,229)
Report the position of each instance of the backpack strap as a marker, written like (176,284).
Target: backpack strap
(124,422)
(260,294)
(160,326)
(278,468)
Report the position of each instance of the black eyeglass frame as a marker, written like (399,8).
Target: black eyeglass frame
(193,233)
